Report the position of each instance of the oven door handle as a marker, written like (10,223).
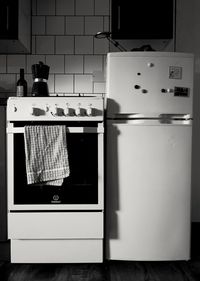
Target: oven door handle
(99,129)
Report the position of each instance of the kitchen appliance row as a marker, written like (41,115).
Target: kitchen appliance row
(148,167)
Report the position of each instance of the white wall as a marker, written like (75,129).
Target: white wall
(188,40)
(63,37)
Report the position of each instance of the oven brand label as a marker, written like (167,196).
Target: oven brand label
(56,199)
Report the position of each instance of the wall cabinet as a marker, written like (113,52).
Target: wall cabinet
(15,26)
(134,19)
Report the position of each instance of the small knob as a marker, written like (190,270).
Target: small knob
(163,90)
(31,110)
(46,109)
(14,108)
(150,64)
(137,87)
(66,110)
(170,90)
(89,110)
(78,110)
(54,110)
(144,91)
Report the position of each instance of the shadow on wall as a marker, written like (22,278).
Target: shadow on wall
(196,147)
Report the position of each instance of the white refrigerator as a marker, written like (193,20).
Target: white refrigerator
(148,155)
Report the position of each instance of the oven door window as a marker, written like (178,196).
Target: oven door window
(81,187)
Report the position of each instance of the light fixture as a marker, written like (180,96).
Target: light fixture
(107,35)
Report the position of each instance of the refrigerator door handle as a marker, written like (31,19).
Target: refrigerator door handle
(151,116)
(175,116)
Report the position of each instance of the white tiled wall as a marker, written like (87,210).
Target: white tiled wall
(63,37)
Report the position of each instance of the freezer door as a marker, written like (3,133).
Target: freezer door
(151,83)
(148,187)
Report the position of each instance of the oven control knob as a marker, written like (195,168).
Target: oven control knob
(31,110)
(78,110)
(46,108)
(89,110)
(14,108)
(66,110)
(54,110)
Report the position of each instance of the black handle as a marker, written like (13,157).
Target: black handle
(118,17)
(7,17)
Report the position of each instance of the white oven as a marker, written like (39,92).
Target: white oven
(57,223)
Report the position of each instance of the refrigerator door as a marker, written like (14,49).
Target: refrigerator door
(148,191)
(149,82)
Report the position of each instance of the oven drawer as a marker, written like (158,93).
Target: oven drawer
(57,251)
(52,225)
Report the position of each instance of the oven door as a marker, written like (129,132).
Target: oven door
(82,190)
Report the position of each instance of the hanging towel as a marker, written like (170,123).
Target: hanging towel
(46,154)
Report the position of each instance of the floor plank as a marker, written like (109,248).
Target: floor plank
(108,271)
(52,272)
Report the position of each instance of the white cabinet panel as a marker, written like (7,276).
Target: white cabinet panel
(56,251)
(55,225)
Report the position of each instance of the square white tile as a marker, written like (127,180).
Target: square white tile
(29,80)
(34,5)
(46,7)
(73,64)
(75,25)
(102,7)
(63,83)
(15,62)
(56,63)
(33,43)
(51,83)
(65,7)
(99,87)
(55,25)
(101,46)
(93,25)
(38,25)
(106,23)
(93,63)
(8,83)
(64,44)
(45,44)
(2,63)
(85,7)
(84,45)
(83,84)
(98,76)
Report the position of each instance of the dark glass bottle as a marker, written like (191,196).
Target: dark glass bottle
(21,85)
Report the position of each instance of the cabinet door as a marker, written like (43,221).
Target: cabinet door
(142,19)
(3,190)
(8,19)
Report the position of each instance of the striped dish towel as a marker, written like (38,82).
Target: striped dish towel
(46,154)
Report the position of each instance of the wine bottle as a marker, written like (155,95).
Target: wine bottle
(21,85)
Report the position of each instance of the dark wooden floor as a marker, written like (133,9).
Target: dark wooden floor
(108,271)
